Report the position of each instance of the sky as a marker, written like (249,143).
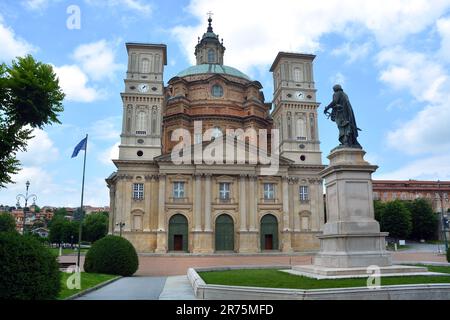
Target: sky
(392,58)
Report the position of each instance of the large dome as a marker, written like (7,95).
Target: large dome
(213,68)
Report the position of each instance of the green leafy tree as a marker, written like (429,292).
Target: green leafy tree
(396,219)
(424,220)
(95,226)
(379,208)
(70,231)
(30,97)
(7,222)
(56,230)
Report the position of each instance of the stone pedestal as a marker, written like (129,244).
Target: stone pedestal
(351,237)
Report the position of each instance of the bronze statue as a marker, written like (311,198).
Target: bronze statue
(342,114)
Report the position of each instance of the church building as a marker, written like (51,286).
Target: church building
(195,207)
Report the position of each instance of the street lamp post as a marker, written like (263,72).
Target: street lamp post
(443,196)
(25,197)
(121,225)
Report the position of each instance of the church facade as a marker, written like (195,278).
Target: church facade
(198,207)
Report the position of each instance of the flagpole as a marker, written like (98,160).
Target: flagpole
(81,207)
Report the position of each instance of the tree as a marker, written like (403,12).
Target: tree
(379,208)
(95,226)
(70,231)
(56,230)
(424,220)
(30,98)
(7,222)
(396,220)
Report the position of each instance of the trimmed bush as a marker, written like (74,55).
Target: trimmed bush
(28,270)
(112,255)
(7,222)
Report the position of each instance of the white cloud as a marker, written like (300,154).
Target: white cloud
(12,46)
(256,39)
(74,83)
(140,6)
(97,59)
(106,129)
(40,150)
(420,74)
(431,168)
(443,27)
(338,78)
(427,132)
(352,51)
(110,154)
(36,5)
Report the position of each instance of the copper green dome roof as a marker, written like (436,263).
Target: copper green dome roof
(213,68)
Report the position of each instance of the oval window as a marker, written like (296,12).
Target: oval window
(217,90)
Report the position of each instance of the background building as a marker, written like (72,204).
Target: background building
(389,190)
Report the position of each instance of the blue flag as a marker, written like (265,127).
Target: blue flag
(80,146)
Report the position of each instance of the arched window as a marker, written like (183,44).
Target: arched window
(312,125)
(154,119)
(301,129)
(217,91)
(211,56)
(289,125)
(141,123)
(298,75)
(145,65)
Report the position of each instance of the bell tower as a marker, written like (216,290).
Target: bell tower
(143,101)
(295,108)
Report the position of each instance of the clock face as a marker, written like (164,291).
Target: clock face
(143,87)
(300,95)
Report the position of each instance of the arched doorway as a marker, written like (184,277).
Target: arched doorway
(224,233)
(269,233)
(178,233)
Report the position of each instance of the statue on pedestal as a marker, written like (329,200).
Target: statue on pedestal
(342,114)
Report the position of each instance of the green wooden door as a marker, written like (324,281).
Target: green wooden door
(224,233)
(178,233)
(269,233)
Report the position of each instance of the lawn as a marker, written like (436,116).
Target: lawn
(65,251)
(88,280)
(273,278)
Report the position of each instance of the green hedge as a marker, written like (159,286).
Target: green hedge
(448,255)
(112,255)
(28,271)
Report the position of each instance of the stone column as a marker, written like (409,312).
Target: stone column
(242,204)
(208,227)
(197,203)
(286,211)
(252,208)
(161,238)
(292,197)
(112,204)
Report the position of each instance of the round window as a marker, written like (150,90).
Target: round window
(217,90)
(140,153)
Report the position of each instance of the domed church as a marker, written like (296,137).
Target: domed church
(195,206)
